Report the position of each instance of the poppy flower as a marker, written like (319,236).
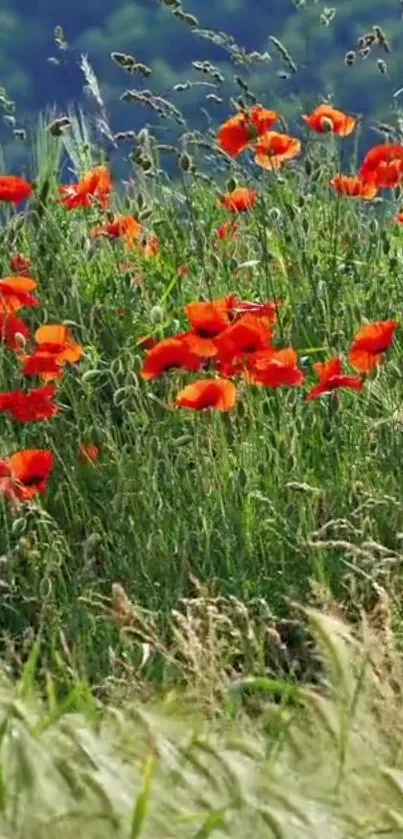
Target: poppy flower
(54,349)
(14,189)
(242,338)
(399,217)
(354,187)
(325,119)
(21,265)
(126,227)
(15,293)
(240,200)
(202,347)
(89,453)
(383,166)
(227,230)
(149,246)
(240,130)
(26,474)
(274,368)
(13,331)
(211,318)
(267,311)
(183,270)
(166,355)
(34,406)
(218,394)
(274,149)
(371,341)
(331,377)
(41,364)
(96,185)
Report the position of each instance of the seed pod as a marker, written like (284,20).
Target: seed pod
(350,58)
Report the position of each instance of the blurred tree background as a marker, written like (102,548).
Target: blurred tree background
(36,73)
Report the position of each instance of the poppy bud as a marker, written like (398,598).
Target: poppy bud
(185,162)
(231,185)
(157,314)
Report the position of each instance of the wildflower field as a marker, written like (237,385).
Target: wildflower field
(200,473)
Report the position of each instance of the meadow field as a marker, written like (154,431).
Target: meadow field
(201,507)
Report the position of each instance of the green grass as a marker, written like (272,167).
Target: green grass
(329,759)
(257,503)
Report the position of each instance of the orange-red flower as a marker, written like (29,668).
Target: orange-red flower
(26,474)
(21,265)
(383,166)
(239,131)
(34,406)
(355,187)
(96,185)
(266,311)
(13,331)
(227,230)
(242,338)
(89,452)
(370,343)
(219,394)
(183,270)
(399,217)
(325,119)
(149,246)
(15,292)
(331,377)
(125,227)
(55,348)
(240,200)
(273,150)
(168,354)
(211,318)
(14,189)
(274,368)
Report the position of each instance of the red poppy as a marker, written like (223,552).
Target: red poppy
(274,368)
(21,265)
(331,377)
(241,339)
(274,149)
(211,318)
(240,130)
(183,270)
(219,394)
(89,453)
(227,230)
(26,474)
(15,293)
(125,227)
(167,354)
(13,331)
(34,406)
(54,349)
(383,166)
(268,311)
(149,246)
(371,341)
(202,347)
(14,189)
(354,187)
(325,119)
(96,185)
(240,200)
(399,217)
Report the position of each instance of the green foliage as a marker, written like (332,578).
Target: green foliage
(331,760)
